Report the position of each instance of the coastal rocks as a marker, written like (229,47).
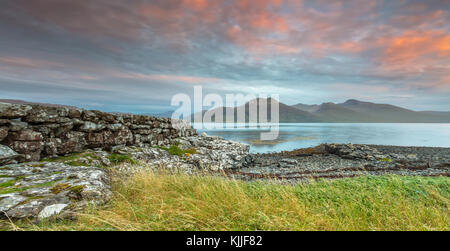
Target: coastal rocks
(350,151)
(331,161)
(38,190)
(36,131)
(190,154)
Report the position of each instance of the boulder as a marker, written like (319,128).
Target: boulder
(43,114)
(7,155)
(15,126)
(3,132)
(29,150)
(91,127)
(13,111)
(52,190)
(25,135)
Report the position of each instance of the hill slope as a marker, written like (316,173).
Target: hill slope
(355,111)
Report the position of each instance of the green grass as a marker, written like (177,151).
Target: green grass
(152,201)
(175,150)
(121,158)
(7,184)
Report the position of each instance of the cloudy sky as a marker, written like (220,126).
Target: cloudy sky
(134,55)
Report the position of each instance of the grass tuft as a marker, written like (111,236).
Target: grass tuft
(175,150)
(121,158)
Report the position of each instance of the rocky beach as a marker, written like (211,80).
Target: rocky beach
(55,161)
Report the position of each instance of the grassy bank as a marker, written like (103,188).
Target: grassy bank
(152,201)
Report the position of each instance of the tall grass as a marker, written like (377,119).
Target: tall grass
(154,201)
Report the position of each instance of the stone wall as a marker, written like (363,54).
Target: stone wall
(35,131)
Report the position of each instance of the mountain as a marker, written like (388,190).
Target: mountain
(287,114)
(355,111)
(351,111)
(331,112)
(394,114)
(307,108)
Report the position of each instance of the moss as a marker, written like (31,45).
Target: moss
(76,191)
(74,163)
(5,168)
(386,160)
(56,189)
(7,184)
(121,158)
(38,165)
(175,150)
(5,176)
(20,189)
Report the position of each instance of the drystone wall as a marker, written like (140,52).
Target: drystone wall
(34,131)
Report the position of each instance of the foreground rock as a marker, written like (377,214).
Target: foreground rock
(40,190)
(64,185)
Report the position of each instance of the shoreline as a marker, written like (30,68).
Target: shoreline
(330,161)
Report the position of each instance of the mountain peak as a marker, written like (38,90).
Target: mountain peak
(352,102)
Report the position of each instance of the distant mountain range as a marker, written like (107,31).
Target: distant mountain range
(351,111)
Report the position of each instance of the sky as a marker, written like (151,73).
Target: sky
(134,55)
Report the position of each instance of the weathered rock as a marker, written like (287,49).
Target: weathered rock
(42,114)
(51,210)
(25,135)
(74,113)
(91,127)
(7,155)
(47,189)
(40,131)
(16,126)
(209,153)
(13,111)
(29,150)
(71,142)
(3,132)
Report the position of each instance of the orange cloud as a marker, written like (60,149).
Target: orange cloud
(414,46)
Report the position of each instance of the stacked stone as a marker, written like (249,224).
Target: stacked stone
(36,131)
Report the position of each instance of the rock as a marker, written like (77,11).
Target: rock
(7,201)
(3,132)
(15,126)
(29,150)
(50,188)
(51,210)
(49,131)
(350,151)
(91,127)
(115,127)
(13,111)
(74,113)
(288,163)
(25,135)
(71,142)
(7,155)
(44,114)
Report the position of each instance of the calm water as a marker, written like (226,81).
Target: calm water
(298,135)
